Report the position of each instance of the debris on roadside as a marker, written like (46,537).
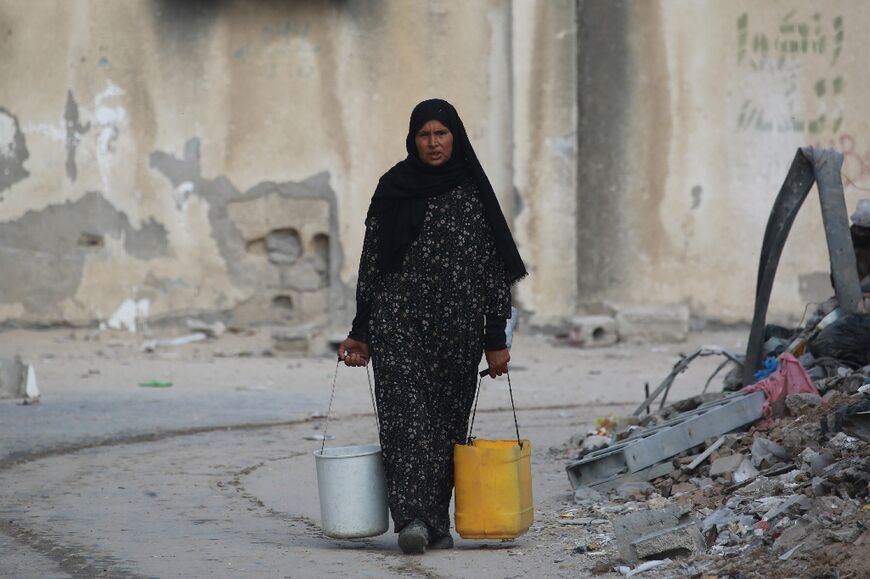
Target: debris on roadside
(645,323)
(154,345)
(156,384)
(211,330)
(319,437)
(18,380)
(790,493)
(776,474)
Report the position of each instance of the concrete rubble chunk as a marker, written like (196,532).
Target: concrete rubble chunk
(784,505)
(653,530)
(584,495)
(592,443)
(726,465)
(718,518)
(745,471)
(654,323)
(680,540)
(683,487)
(213,330)
(593,331)
(766,452)
(844,442)
(635,490)
(799,403)
(13,378)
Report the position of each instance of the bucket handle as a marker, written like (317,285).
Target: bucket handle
(332,396)
(477,397)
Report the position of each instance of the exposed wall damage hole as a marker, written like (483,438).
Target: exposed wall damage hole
(283,246)
(283,306)
(320,256)
(256,246)
(91,240)
(13,151)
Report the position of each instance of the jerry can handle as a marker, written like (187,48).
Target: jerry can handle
(483,373)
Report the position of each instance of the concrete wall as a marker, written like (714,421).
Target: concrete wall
(690,113)
(178,157)
(170,157)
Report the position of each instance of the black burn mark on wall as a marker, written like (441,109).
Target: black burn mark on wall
(13,152)
(186,20)
(74,132)
(42,254)
(604,105)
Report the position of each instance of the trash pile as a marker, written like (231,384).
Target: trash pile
(772,480)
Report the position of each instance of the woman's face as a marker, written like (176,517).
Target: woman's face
(434,143)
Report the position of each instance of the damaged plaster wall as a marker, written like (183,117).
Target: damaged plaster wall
(699,108)
(13,151)
(218,157)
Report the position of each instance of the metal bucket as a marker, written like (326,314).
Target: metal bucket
(353,491)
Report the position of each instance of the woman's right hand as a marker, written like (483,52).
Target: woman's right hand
(353,352)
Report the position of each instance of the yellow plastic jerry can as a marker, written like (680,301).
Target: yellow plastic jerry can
(493,488)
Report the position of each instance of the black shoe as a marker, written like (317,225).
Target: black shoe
(442,542)
(413,538)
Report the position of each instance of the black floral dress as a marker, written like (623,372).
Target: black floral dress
(426,332)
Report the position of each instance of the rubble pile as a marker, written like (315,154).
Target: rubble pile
(787,494)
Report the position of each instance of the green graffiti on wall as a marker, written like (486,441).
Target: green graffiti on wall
(796,44)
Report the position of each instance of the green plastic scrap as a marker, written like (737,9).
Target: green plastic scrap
(156,384)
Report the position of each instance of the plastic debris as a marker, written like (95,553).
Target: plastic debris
(156,384)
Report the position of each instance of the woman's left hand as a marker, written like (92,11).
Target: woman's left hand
(498,361)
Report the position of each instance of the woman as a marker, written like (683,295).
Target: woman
(433,292)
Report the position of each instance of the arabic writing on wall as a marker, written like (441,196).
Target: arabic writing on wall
(774,64)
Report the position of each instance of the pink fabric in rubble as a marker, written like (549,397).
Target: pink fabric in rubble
(789,378)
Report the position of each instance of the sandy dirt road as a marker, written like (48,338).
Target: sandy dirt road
(213,477)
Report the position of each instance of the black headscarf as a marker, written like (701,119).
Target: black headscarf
(403,192)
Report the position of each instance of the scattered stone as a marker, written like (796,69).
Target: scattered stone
(643,567)
(799,435)
(635,490)
(213,330)
(592,443)
(816,462)
(13,378)
(630,527)
(18,380)
(587,496)
(719,518)
(792,536)
(766,453)
(799,403)
(726,465)
(844,442)
(745,471)
(680,540)
(683,487)
(783,505)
